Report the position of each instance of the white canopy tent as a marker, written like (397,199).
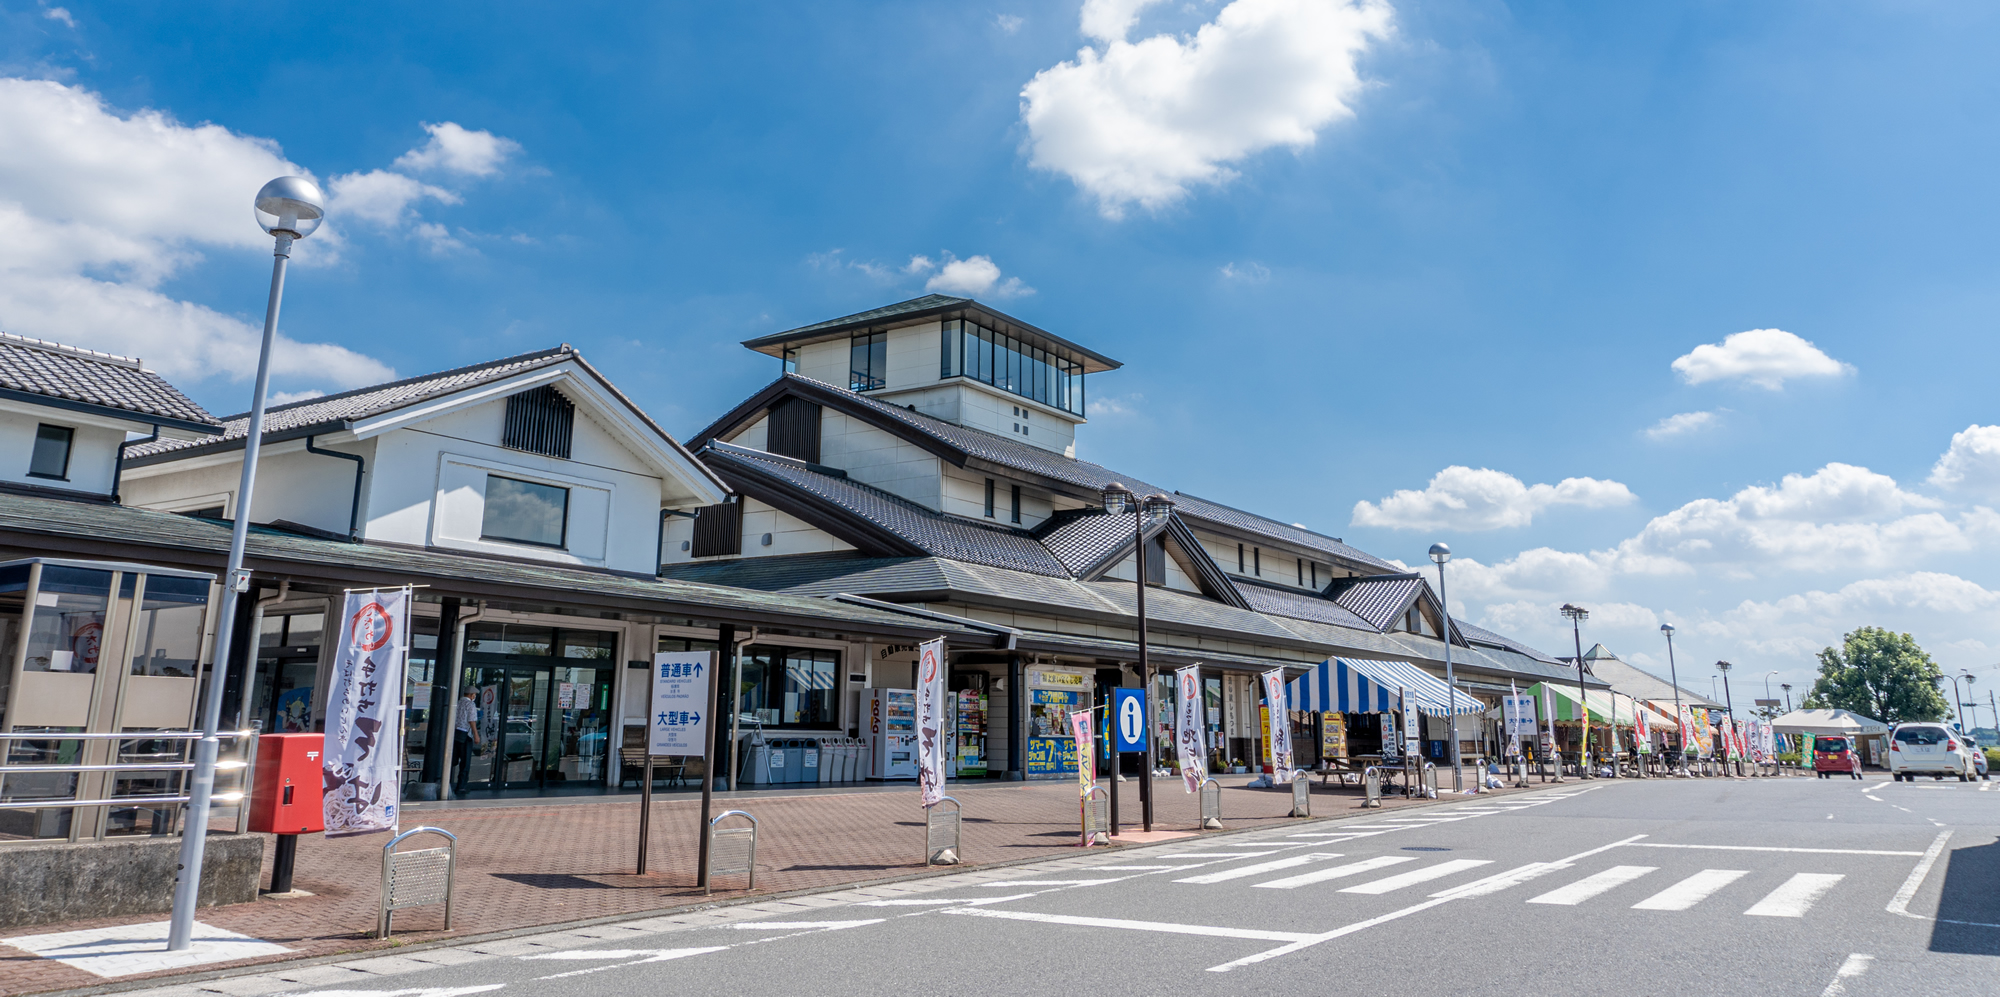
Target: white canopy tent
(1828,722)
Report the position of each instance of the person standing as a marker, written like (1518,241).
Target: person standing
(465,739)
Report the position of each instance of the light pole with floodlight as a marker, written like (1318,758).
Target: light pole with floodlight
(289,208)
(1728,705)
(1576,616)
(1680,717)
(1117,500)
(1958,709)
(1788,697)
(1441,554)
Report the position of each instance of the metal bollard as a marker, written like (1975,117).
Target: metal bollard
(1371,788)
(732,850)
(1520,772)
(1211,805)
(1096,817)
(1428,776)
(941,831)
(1301,796)
(416,878)
(1479,775)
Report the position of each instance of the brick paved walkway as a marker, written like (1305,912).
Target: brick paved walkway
(534,862)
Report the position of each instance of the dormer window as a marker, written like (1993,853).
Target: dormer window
(988,356)
(868,362)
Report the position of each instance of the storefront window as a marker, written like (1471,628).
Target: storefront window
(167,628)
(790,688)
(67,631)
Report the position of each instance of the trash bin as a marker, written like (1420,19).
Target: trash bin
(812,761)
(794,769)
(851,766)
(757,762)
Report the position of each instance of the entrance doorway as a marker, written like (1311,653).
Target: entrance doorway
(543,706)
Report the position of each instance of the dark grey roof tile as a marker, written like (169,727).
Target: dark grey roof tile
(41,368)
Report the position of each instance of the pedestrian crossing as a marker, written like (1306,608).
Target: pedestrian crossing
(1796,895)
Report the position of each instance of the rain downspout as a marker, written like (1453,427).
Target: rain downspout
(118,469)
(360,467)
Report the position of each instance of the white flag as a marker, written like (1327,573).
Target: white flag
(359,772)
(1281,726)
(930,720)
(1188,717)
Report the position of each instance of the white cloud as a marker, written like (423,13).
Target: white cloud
(1007,23)
(1249,272)
(919,264)
(1465,499)
(283,398)
(1682,423)
(459,150)
(60,14)
(99,209)
(381,197)
(1140,122)
(1971,464)
(976,277)
(1764,358)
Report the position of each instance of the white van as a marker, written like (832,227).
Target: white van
(1927,748)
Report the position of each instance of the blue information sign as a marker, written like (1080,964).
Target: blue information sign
(1128,706)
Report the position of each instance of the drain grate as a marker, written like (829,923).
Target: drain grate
(1427,848)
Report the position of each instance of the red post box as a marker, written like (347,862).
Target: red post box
(285,797)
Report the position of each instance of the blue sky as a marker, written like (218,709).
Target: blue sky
(1453,235)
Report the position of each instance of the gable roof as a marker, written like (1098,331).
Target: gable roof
(1486,637)
(110,385)
(348,410)
(930,307)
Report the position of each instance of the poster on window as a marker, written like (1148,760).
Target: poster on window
(1278,726)
(358,774)
(930,720)
(1188,724)
(677,723)
(1332,735)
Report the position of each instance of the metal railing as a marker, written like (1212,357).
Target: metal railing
(416,878)
(942,829)
(149,764)
(732,849)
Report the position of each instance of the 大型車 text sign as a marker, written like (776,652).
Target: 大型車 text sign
(678,722)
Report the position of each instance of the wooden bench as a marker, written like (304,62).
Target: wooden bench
(632,767)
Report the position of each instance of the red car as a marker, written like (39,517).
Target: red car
(1835,755)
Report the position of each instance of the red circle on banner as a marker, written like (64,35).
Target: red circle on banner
(930,666)
(372,626)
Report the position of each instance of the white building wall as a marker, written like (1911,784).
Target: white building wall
(826,361)
(976,404)
(757,435)
(93,453)
(292,484)
(1178,577)
(876,457)
(913,357)
(964,494)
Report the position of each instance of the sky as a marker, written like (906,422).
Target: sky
(1680,312)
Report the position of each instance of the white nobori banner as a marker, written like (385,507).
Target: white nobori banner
(358,774)
(1187,727)
(1280,732)
(931,720)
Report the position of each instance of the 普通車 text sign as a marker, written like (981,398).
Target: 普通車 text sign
(678,723)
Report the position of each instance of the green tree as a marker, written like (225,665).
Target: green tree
(1880,674)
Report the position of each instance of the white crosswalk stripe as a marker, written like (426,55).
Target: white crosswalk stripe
(1342,871)
(1795,897)
(1594,886)
(1210,878)
(1421,875)
(1691,890)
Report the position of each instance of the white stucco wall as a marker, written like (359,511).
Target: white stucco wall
(93,445)
(876,457)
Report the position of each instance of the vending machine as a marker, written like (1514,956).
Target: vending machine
(970,725)
(892,733)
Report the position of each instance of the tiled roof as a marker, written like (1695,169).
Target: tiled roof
(1208,510)
(926,307)
(374,400)
(40,368)
(880,314)
(1378,599)
(928,530)
(1296,604)
(1083,540)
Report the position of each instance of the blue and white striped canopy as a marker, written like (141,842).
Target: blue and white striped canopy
(1348,684)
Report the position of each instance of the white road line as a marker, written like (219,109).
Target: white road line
(1876,798)
(1504,880)
(1785,850)
(1342,871)
(1899,904)
(1221,855)
(1421,875)
(654,953)
(1795,896)
(1134,925)
(1434,901)
(1856,964)
(800,925)
(1690,890)
(1132,868)
(946,902)
(1260,868)
(1046,881)
(1593,886)
(1878,787)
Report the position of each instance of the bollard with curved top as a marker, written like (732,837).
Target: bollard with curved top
(1211,804)
(1428,776)
(1301,795)
(1520,772)
(941,830)
(732,850)
(1096,817)
(1479,769)
(1371,788)
(416,878)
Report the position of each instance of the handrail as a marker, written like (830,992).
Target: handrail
(221,765)
(149,764)
(165,734)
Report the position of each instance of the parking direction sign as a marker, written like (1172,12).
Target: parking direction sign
(1128,711)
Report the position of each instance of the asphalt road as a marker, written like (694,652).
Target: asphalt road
(1770,886)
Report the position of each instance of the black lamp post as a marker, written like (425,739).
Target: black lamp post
(1673,672)
(1728,704)
(1117,500)
(1957,710)
(1576,617)
(1787,688)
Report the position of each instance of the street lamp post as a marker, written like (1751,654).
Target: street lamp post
(1959,703)
(1117,500)
(1767,686)
(1441,554)
(1728,705)
(289,208)
(1576,616)
(1667,629)
(1788,697)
